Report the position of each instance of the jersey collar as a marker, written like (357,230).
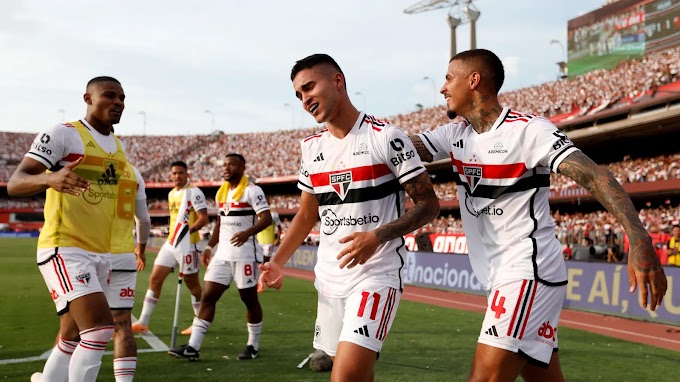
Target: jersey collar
(501,119)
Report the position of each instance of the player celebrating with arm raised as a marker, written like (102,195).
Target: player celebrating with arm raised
(243,212)
(502,161)
(79,165)
(169,257)
(351,176)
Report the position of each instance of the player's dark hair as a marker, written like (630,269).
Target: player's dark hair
(180,164)
(100,79)
(312,61)
(236,155)
(486,62)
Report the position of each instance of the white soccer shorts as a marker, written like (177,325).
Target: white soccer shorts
(243,273)
(363,318)
(169,257)
(71,272)
(268,249)
(121,291)
(522,317)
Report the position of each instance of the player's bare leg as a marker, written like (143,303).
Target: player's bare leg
(496,365)
(158,276)
(211,294)
(194,285)
(533,373)
(254,318)
(353,363)
(124,346)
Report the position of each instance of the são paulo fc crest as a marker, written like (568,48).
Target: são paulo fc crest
(341,182)
(473,174)
(83,278)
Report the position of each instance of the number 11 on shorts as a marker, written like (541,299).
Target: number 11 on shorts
(364,300)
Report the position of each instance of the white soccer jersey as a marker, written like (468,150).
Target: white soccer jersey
(237,216)
(357,183)
(61,144)
(503,177)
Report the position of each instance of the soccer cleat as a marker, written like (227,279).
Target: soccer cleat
(187,331)
(248,353)
(140,328)
(185,351)
(37,377)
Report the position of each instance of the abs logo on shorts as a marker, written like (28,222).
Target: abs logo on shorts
(127,293)
(53,294)
(546,333)
(83,278)
(341,182)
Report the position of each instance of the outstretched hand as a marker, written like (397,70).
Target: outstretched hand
(271,276)
(646,273)
(67,181)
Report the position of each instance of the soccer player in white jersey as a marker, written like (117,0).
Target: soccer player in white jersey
(502,159)
(78,165)
(353,176)
(243,212)
(168,257)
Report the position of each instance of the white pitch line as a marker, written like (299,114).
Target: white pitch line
(156,344)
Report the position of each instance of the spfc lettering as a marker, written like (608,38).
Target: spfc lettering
(473,175)
(341,182)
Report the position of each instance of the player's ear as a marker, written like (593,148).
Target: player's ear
(87,97)
(475,78)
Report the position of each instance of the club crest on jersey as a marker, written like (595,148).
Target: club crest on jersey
(473,174)
(341,182)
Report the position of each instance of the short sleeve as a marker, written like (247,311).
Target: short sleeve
(304,182)
(400,154)
(141,187)
(198,199)
(49,147)
(437,141)
(545,145)
(257,200)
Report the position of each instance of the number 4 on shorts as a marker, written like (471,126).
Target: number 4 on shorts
(497,307)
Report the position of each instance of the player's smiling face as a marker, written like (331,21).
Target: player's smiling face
(319,90)
(456,89)
(107,100)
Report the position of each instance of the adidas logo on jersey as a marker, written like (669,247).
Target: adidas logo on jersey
(363,331)
(109,176)
(458,144)
(91,144)
(492,331)
(319,158)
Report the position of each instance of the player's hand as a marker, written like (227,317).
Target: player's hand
(66,181)
(206,256)
(364,245)
(141,259)
(271,276)
(645,272)
(239,238)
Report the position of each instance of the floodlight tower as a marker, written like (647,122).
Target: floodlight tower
(460,12)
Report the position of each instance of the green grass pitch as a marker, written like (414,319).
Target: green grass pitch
(427,343)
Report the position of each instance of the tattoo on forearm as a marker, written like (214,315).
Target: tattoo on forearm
(425,210)
(423,152)
(607,190)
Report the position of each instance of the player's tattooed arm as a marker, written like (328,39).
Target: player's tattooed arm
(425,210)
(423,152)
(643,262)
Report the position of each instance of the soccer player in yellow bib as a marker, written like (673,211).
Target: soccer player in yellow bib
(270,237)
(79,165)
(168,257)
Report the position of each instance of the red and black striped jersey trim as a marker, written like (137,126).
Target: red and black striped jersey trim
(358,195)
(376,124)
(317,135)
(514,116)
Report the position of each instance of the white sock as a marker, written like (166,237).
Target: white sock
(199,328)
(254,331)
(195,304)
(147,308)
(124,369)
(56,367)
(87,358)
